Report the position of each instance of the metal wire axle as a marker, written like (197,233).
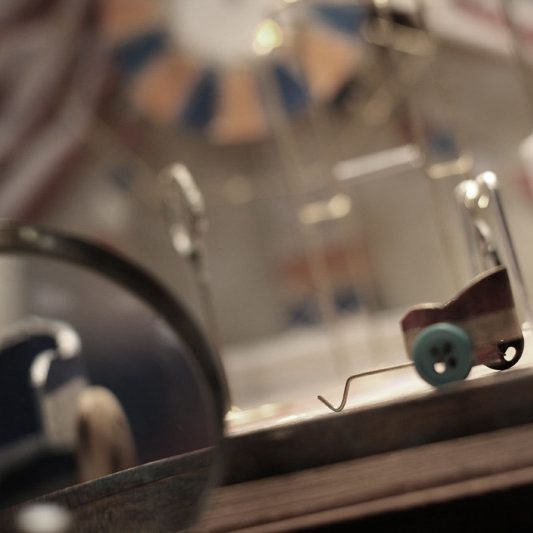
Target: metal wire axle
(359,375)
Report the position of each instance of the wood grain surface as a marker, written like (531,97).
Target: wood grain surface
(383,483)
(470,438)
(501,400)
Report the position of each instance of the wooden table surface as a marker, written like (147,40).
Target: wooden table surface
(469,439)
(359,488)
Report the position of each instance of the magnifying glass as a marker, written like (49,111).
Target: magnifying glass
(111,402)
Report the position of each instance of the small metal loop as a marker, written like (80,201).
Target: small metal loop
(485,241)
(183,209)
(184,213)
(359,375)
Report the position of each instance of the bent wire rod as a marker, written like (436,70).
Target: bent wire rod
(355,376)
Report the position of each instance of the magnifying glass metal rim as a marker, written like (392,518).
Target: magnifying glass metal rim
(22,238)
(35,240)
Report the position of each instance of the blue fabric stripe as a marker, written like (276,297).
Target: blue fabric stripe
(202,103)
(346,19)
(132,55)
(293,93)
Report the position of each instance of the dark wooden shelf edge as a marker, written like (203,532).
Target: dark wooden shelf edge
(502,400)
(389,482)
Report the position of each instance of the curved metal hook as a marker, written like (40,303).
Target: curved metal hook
(355,376)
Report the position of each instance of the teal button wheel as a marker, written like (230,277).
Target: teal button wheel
(442,353)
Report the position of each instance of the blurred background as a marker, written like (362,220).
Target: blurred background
(326,138)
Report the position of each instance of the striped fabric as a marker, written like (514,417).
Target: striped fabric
(170,84)
(51,70)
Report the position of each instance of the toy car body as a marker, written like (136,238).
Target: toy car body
(55,427)
(478,326)
(42,377)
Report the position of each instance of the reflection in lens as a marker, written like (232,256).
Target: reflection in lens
(94,381)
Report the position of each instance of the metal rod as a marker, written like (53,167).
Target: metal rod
(520,60)
(295,178)
(508,244)
(383,8)
(183,209)
(378,164)
(356,376)
(467,196)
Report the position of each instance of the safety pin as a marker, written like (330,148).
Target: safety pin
(359,375)
(487,246)
(474,197)
(184,212)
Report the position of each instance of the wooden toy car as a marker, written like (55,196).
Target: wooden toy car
(478,326)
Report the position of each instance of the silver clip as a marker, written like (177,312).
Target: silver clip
(484,220)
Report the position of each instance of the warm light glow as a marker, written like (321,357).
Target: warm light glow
(268,410)
(471,190)
(337,207)
(455,167)
(467,192)
(268,36)
(490,179)
(483,201)
(181,240)
(44,518)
